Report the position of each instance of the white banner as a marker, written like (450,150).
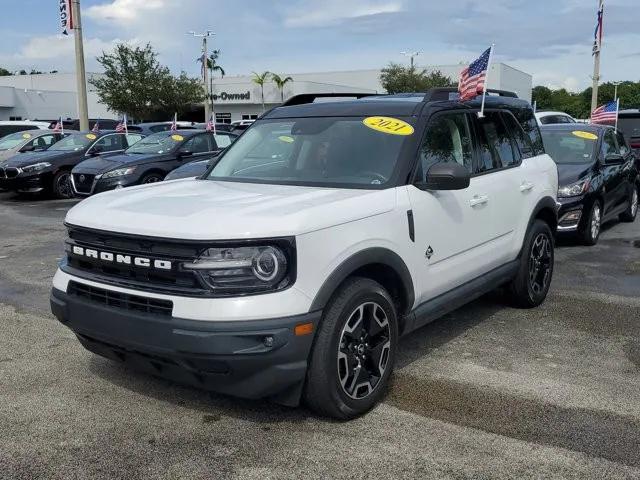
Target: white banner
(66,16)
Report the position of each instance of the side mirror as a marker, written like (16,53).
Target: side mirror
(95,151)
(614,159)
(446,176)
(184,153)
(28,148)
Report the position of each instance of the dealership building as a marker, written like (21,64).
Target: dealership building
(49,96)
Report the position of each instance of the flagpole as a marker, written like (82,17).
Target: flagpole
(126,129)
(617,113)
(486,81)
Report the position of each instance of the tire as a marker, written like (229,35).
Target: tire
(332,387)
(629,215)
(592,228)
(61,185)
(152,177)
(531,284)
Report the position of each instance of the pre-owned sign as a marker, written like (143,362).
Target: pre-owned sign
(224,96)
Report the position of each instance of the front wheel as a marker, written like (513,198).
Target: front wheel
(61,186)
(629,215)
(354,351)
(151,178)
(531,284)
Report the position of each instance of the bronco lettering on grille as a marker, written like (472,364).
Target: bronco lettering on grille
(121,259)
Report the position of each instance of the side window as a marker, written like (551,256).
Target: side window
(197,144)
(447,139)
(133,138)
(609,145)
(222,140)
(43,142)
(622,144)
(527,121)
(522,140)
(110,143)
(496,149)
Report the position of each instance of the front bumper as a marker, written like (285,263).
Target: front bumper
(100,184)
(570,214)
(32,183)
(250,358)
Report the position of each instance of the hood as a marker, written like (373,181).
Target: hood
(7,154)
(207,210)
(26,158)
(570,173)
(104,163)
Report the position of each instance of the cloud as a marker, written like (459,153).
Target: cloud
(123,11)
(332,12)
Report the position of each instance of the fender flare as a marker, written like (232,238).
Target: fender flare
(544,203)
(363,258)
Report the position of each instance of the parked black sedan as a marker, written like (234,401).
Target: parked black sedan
(148,161)
(50,170)
(598,178)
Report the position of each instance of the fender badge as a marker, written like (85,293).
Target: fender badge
(429,253)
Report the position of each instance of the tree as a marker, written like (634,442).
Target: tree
(23,72)
(135,83)
(4,72)
(212,65)
(261,79)
(396,78)
(280,83)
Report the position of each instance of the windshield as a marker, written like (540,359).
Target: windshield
(566,146)
(75,142)
(161,142)
(328,151)
(14,140)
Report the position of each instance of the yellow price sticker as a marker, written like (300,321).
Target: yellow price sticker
(91,136)
(585,135)
(26,135)
(286,139)
(390,125)
(177,138)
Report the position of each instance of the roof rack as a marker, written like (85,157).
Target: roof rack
(439,94)
(310,97)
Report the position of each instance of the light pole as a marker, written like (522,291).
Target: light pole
(81,76)
(411,55)
(615,90)
(205,61)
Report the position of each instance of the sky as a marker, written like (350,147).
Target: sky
(549,39)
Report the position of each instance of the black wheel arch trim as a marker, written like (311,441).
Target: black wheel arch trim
(547,203)
(364,258)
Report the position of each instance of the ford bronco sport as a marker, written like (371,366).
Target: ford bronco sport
(325,232)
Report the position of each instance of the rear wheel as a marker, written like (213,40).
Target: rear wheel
(591,231)
(531,284)
(630,213)
(61,185)
(152,178)
(354,351)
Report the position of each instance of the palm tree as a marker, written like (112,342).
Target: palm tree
(280,83)
(212,65)
(261,79)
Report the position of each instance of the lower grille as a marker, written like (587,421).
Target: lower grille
(120,300)
(83,182)
(11,172)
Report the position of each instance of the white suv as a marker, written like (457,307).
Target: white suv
(325,232)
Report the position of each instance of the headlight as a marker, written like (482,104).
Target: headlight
(36,167)
(119,172)
(243,270)
(574,189)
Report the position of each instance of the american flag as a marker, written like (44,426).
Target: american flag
(174,123)
(472,78)
(597,36)
(607,113)
(59,127)
(96,127)
(211,125)
(122,126)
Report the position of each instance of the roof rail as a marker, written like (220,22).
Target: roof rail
(436,94)
(310,97)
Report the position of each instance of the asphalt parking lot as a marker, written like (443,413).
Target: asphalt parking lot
(487,392)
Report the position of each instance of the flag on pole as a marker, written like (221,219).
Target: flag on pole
(59,126)
(174,124)
(66,16)
(605,114)
(597,35)
(211,125)
(96,127)
(473,78)
(122,126)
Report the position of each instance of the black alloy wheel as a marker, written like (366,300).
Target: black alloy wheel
(152,178)
(62,187)
(540,260)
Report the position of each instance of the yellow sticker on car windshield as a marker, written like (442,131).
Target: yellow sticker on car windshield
(389,125)
(177,138)
(26,135)
(91,136)
(286,139)
(585,135)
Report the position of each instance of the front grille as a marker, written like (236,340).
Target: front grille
(83,182)
(11,172)
(123,301)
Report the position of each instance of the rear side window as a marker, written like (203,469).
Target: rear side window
(528,122)
(609,145)
(496,148)
(447,139)
(198,144)
(222,141)
(522,140)
(622,144)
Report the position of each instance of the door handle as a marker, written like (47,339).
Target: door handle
(526,186)
(478,200)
